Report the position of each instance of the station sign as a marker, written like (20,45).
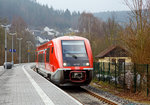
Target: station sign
(10,50)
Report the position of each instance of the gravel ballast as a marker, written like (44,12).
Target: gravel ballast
(111,96)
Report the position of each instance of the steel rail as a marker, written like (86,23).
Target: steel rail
(101,98)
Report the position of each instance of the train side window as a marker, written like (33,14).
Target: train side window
(40,58)
(52,49)
(36,55)
(47,55)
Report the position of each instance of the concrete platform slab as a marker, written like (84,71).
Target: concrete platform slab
(22,86)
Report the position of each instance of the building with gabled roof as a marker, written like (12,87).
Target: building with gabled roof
(114,54)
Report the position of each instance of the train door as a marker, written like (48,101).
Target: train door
(51,58)
(47,64)
(41,57)
(36,60)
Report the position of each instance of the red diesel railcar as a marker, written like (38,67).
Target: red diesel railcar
(66,61)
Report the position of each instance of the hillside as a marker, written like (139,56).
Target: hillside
(119,16)
(38,15)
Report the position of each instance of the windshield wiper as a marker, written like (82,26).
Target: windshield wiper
(74,56)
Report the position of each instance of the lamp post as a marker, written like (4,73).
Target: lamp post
(19,49)
(28,51)
(29,42)
(6,28)
(12,34)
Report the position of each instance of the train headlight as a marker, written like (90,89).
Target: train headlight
(64,64)
(87,64)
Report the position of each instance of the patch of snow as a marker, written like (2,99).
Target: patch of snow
(69,30)
(52,30)
(76,31)
(50,33)
(42,40)
(46,29)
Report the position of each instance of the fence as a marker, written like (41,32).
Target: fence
(135,77)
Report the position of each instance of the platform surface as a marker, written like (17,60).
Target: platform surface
(1,70)
(22,86)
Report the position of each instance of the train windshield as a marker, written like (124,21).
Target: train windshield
(74,49)
(74,53)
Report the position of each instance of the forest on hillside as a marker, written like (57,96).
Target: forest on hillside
(120,16)
(36,15)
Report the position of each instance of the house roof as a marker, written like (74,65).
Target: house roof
(108,50)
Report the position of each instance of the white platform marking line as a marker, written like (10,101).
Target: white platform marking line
(41,93)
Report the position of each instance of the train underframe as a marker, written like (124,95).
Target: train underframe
(72,77)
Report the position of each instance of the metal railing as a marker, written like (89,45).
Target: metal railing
(134,77)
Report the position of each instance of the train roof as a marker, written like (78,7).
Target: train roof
(61,38)
(70,38)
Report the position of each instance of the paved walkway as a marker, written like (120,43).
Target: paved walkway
(2,70)
(22,86)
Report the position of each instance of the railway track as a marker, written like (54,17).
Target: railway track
(101,98)
(87,97)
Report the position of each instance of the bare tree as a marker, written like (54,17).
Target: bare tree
(111,31)
(97,31)
(136,35)
(19,26)
(90,24)
(3,21)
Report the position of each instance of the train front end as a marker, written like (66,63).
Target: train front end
(77,61)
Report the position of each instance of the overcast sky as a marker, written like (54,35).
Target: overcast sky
(86,5)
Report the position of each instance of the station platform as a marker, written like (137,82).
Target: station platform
(22,86)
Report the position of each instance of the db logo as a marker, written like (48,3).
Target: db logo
(77,67)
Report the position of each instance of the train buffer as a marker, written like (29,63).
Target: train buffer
(22,86)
